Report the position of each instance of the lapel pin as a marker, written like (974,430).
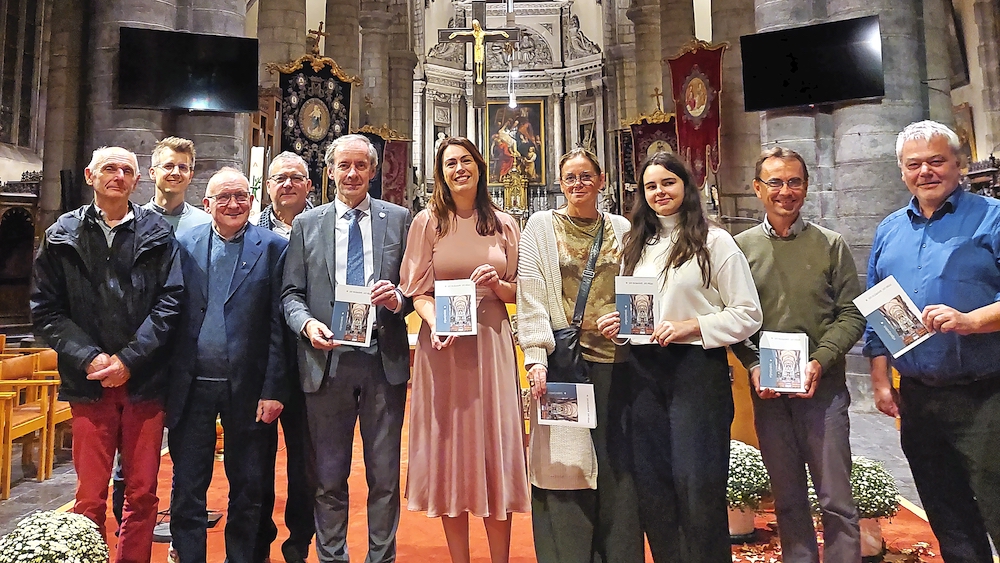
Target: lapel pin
(381,214)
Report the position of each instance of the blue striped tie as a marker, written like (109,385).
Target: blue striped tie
(355,249)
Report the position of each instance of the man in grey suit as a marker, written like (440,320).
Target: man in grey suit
(354,240)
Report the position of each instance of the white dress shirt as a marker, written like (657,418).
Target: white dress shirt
(343,231)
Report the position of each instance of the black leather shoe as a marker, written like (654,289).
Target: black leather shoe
(292,554)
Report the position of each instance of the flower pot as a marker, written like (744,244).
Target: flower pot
(740,522)
(871,537)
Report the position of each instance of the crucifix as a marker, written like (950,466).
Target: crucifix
(657,93)
(316,35)
(479,36)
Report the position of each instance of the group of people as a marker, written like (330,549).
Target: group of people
(157,313)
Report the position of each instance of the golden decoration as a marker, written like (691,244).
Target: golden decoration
(385,132)
(317,63)
(697,45)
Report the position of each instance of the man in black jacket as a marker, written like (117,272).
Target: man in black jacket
(106,295)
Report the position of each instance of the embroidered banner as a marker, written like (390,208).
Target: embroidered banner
(650,137)
(395,170)
(696,79)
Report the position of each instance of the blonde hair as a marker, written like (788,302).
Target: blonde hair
(176,144)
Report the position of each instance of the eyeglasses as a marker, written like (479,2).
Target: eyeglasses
(241,198)
(775,184)
(571,180)
(170,167)
(282,178)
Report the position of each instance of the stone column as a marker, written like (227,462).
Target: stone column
(62,108)
(797,128)
(375,65)
(220,139)
(866,174)
(740,133)
(470,119)
(401,64)
(938,74)
(342,22)
(429,96)
(135,129)
(417,147)
(574,122)
(645,14)
(281,34)
(557,131)
(987,16)
(676,29)
(599,131)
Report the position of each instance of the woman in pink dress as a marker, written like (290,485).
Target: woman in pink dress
(466,454)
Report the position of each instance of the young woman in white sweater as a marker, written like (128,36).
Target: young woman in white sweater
(571,521)
(680,405)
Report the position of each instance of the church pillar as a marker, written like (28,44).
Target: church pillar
(62,107)
(470,119)
(137,130)
(574,121)
(987,15)
(417,147)
(677,28)
(866,173)
(557,130)
(938,75)
(645,14)
(808,131)
(599,130)
(739,139)
(342,45)
(220,139)
(401,85)
(281,35)
(375,65)
(429,96)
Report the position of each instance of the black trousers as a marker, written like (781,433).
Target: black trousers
(301,496)
(950,436)
(601,526)
(192,450)
(681,409)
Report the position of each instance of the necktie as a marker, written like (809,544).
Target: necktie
(355,249)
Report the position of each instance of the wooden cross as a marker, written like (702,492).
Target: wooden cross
(657,93)
(478,35)
(316,34)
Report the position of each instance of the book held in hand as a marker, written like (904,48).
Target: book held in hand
(568,404)
(353,316)
(893,316)
(637,303)
(783,360)
(455,307)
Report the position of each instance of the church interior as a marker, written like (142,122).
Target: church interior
(549,76)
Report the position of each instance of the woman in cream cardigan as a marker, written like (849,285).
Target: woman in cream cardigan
(583,506)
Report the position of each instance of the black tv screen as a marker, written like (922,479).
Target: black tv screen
(192,71)
(816,64)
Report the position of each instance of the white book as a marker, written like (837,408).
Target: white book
(455,307)
(353,316)
(784,357)
(568,404)
(637,301)
(893,316)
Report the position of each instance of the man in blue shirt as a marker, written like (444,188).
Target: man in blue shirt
(943,249)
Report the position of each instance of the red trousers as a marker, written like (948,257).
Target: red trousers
(136,430)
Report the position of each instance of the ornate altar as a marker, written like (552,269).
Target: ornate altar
(515,196)
(984,177)
(18,220)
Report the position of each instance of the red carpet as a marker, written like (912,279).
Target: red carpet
(422,539)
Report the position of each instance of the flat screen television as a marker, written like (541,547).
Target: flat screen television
(816,64)
(192,71)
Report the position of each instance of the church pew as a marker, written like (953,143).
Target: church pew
(30,411)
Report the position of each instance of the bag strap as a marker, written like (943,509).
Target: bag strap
(588,276)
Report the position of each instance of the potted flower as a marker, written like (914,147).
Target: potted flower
(875,496)
(54,537)
(748,484)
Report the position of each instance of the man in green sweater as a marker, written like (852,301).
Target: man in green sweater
(806,279)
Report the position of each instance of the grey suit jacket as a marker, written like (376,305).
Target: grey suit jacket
(310,278)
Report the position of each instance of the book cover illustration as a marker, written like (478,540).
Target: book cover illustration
(637,303)
(568,404)
(455,307)
(353,316)
(783,360)
(893,316)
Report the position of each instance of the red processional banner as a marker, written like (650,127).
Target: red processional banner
(395,171)
(696,77)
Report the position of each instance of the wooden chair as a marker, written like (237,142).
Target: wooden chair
(30,411)
(61,410)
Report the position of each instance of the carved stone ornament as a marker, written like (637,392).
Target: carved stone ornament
(578,45)
(448,51)
(533,52)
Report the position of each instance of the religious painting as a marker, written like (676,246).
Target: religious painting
(395,169)
(626,161)
(652,136)
(966,134)
(514,140)
(585,137)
